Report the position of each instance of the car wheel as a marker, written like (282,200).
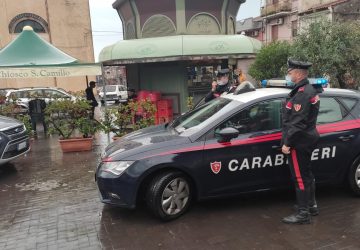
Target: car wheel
(354,178)
(102,101)
(117,101)
(169,195)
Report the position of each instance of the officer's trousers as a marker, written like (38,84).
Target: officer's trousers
(300,168)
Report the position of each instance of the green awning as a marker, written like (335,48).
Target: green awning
(180,48)
(30,56)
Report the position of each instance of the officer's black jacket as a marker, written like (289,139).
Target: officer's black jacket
(220,89)
(299,116)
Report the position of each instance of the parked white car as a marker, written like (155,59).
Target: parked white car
(117,93)
(23,96)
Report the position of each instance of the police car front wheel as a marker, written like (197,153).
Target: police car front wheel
(169,195)
(354,177)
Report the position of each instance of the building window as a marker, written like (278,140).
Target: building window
(37,27)
(274,32)
(38,24)
(294,28)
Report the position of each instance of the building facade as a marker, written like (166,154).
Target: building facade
(283,19)
(66,24)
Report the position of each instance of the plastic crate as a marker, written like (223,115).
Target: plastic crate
(164,104)
(165,112)
(154,96)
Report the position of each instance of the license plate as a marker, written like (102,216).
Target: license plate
(21,146)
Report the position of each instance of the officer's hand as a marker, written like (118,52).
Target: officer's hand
(213,86)
(285,149)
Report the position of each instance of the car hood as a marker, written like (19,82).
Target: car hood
(155,137)
(6,123)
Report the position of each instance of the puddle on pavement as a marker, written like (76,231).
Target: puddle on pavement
(40,186)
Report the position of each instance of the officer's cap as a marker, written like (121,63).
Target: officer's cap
(294,64)
(222,72)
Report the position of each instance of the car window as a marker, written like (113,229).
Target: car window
(34,93)
(122,88)
(349,102)
(262,116)
(330,111)
(110,88)
(50,93)
(200,115)
(19,94)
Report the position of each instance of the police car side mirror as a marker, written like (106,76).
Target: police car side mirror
(226,134)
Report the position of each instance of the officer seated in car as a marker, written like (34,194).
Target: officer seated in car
(220,86)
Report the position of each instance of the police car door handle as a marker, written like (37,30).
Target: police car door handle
(346,137)
(276,147)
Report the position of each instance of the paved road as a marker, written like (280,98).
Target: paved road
(48,200)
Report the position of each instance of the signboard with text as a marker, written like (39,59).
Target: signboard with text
(42,72)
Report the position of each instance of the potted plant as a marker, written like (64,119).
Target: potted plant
(127,118)
(119,120)
(65,117)
(145,116)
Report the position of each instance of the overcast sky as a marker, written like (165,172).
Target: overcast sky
(106,24)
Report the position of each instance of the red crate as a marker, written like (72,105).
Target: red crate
(154,96)
(165,112)
(164,103)
(143,95)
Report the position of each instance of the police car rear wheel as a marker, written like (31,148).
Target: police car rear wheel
(354,178)
(169,195)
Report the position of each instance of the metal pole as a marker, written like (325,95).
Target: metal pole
(103,82)
(104,91)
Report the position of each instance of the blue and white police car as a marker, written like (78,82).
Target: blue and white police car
(228,146)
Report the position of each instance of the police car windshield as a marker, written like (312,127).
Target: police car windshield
(199,115)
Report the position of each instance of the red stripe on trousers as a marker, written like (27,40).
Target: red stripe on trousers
(297,170)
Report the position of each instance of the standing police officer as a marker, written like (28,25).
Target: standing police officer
(222,85)
(300,138)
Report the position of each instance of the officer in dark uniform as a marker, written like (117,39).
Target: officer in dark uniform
(220,86)
(300,138)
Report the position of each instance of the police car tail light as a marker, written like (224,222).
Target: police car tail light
(115,167)
(283,83)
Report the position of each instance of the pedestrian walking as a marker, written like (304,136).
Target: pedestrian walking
(220,86)
(300,138)
(91,98)
(37,113)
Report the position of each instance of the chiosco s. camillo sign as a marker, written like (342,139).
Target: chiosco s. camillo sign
(49,72)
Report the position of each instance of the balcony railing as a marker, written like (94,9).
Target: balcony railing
(280,6)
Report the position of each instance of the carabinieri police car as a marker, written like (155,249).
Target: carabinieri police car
(228,146)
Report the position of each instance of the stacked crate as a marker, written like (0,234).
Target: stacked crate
(164,108)
(164,112)
(152,96)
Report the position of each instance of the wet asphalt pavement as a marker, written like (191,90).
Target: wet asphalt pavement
(49,200)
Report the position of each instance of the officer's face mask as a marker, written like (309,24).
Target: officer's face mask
(223,81)
(289,81)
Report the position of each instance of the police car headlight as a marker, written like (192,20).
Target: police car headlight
(116,167)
